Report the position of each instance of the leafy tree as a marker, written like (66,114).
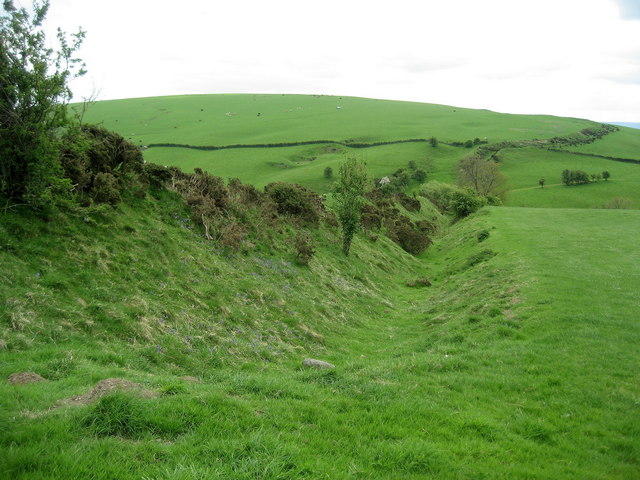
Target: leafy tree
(34,94)
(328,172)
(541,182)
(349,197)
(433,141)
(482,175)
(606,175)
(566,177)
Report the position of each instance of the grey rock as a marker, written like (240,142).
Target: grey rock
(312,362)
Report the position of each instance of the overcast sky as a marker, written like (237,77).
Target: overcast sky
(578,58)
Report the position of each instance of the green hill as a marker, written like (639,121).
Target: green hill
(227,120)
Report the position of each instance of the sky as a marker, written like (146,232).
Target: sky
(575,58)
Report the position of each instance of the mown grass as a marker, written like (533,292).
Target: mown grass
(518,362)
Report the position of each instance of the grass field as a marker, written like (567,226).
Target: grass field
(624,143)
(519,361)
(525,166)
(233,119)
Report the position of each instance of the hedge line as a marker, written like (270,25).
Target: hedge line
(615,159)
(285,144)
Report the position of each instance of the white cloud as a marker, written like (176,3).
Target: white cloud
(575,57)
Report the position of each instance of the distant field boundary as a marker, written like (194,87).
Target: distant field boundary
(585,154)
(287,144)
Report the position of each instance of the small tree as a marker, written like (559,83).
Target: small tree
(328,172)
(349,197)
(606,175)
(482,175)
(33,82)
(433,141)
(541,182)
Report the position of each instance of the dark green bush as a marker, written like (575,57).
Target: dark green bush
(465,202)
(295,200)
(410,204)
(419,175)
(106,189)
(101,165)
(157,175)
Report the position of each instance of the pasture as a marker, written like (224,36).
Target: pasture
(223,120)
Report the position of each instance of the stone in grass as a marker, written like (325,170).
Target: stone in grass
(312,362)
(24,378)
(420,282)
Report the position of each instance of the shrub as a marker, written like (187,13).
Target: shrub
(465,202)
(304,247)
(102,165)
(412,240)
(410,204)
(493,200)
(295,200)
(157,175)
(328,172)
(105,189)
(419,175)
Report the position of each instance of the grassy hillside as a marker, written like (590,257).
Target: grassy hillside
(233,119)
(501,369)
(624,143)
(525,166)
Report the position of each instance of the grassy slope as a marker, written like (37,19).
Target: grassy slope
(503,369)
(202,120)
(622,144)
(525,166)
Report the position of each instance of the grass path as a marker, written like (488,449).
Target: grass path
(537,186)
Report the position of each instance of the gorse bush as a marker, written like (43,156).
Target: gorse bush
(296,201)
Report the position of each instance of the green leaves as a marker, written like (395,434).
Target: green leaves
(33,79)
(349,197)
